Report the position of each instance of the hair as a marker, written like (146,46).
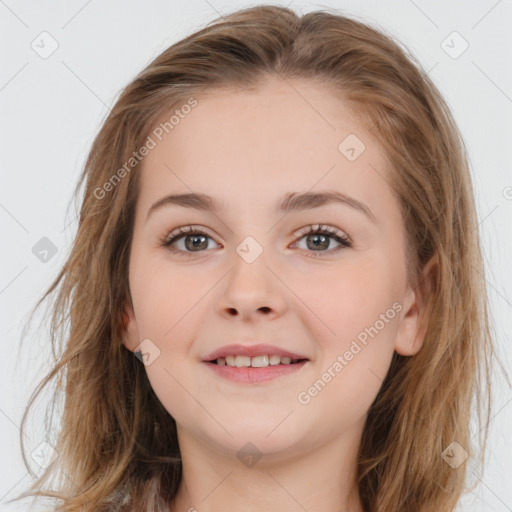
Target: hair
(114,429)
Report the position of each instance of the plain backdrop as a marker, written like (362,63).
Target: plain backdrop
(63,66)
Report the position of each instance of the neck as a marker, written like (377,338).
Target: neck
(321,477)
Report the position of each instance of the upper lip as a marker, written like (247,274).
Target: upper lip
(237,349)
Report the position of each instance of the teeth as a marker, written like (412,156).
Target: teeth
(260,361)
(275,360)
(254,362)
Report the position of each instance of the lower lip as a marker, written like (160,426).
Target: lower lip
(250,375)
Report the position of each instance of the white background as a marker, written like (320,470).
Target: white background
(52,108)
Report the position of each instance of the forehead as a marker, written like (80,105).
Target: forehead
(265,142)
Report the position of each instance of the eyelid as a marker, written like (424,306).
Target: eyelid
(182,231)
(313,228)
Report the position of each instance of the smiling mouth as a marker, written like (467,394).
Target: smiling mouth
(263,361)
(256,370)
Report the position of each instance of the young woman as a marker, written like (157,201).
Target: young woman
(278,222)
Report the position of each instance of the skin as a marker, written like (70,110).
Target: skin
(249,149)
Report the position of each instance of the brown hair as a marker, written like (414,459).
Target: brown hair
(114,429)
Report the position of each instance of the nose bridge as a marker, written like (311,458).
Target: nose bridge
(251,287)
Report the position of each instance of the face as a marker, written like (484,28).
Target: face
(251,272)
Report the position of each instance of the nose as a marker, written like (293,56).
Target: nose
(252,291)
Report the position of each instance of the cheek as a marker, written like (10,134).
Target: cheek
(172,383)
(354,325)
(166,297)
(169,308)
(341,303)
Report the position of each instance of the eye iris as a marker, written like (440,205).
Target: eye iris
(198,242)
(320,240)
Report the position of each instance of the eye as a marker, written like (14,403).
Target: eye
(319,237)
(195,239)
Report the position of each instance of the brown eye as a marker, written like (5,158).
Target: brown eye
(191,240)
(319,238)
(318,241)
(195,242)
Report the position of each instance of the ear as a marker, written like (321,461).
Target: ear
(130,331)
(413,322)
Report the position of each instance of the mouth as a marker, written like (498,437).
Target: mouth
(252,364)
(263,361)
(255,370)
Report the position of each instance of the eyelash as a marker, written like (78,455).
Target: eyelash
(337,235)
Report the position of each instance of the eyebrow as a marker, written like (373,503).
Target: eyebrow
(292,201)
